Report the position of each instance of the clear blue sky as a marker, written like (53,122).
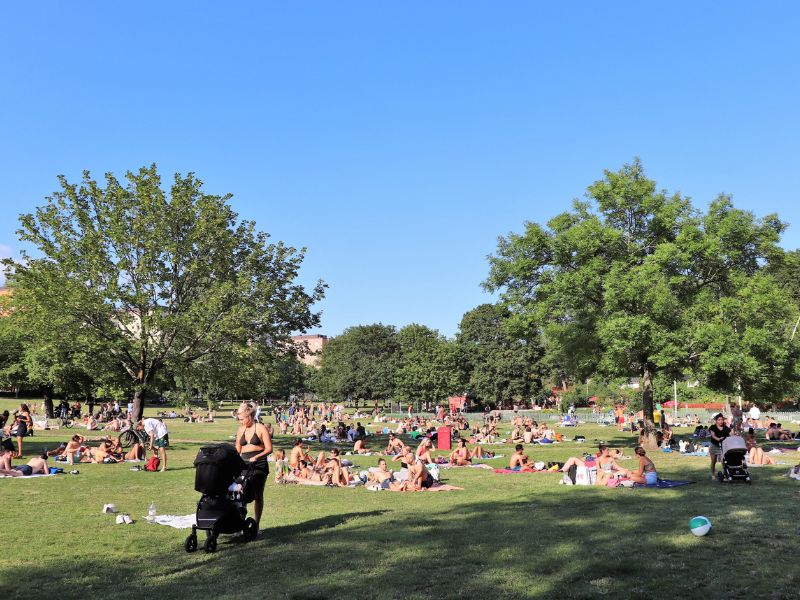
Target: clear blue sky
(397,140)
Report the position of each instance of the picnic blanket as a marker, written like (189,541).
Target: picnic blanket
(475,466)
(27,476)
(664,484)
(512,471)
(437,487)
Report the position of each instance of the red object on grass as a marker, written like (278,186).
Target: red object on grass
(443,438)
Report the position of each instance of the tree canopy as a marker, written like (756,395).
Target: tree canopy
(623,280)
(157,278)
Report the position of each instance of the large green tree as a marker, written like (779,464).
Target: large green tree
(500,365)
(159,278)
(623,270)
(360,364)
(429,369)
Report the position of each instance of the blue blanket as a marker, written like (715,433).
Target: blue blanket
(664,484)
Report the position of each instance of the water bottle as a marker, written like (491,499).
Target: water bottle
(151,512)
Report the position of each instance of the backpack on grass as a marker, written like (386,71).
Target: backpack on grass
(152,463)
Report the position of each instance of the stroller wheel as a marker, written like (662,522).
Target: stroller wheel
(211,544)
(250,529)
(190,545)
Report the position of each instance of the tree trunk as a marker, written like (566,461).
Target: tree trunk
(47,393)
(650,441)
(138,403)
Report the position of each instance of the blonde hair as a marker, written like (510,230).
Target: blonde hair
(247,408)
(280,454)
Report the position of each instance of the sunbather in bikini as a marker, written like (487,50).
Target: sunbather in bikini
(424,450)
(647,470)
(460,456)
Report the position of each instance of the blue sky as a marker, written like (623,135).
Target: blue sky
(398,140)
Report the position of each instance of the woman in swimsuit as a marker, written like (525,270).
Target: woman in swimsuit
(460,456)
(254,444)
(647,470)
(23,424)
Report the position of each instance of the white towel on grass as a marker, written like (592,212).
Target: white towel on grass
(178,522)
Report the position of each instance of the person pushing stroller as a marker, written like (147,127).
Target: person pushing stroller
(253,443)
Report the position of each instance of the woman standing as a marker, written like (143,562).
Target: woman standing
(254,444)
(23,423)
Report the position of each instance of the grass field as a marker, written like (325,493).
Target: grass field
(506,536)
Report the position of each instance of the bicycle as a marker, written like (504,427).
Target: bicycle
(131,437)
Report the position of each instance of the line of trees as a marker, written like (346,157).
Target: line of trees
(416,365)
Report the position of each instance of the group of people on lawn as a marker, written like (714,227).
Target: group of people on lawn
(76,449)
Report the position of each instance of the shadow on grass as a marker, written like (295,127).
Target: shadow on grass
(566,543)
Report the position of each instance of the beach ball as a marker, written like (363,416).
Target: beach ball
(700,525)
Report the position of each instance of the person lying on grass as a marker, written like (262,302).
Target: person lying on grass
(606,465)
(479,453)
(35,466)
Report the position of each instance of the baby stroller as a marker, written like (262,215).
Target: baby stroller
(223,479)
(734,467)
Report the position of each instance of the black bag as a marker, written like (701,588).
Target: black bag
(216,467)
(572,473)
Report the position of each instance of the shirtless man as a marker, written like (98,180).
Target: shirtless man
(359,447)
(418,476)
(519,459)
(72,449)
(35,466)
(395,445)
(297,454)
(381,475)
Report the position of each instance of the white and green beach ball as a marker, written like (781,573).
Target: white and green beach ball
(700,525)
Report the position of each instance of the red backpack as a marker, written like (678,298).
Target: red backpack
(152,463)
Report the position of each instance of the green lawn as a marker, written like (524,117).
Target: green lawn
(510,536)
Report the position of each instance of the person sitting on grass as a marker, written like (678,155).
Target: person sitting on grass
(359,447)
(460,457)
(395,445)
(72,449)
(419,477)
(755,455)
(380,475)
(335,473)
(424,450)
(646,473)
(519,461)
(297,454)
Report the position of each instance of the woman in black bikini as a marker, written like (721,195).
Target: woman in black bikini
(254,444)
(23,423)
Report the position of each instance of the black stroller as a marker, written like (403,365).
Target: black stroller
(223,479)
(734,465)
